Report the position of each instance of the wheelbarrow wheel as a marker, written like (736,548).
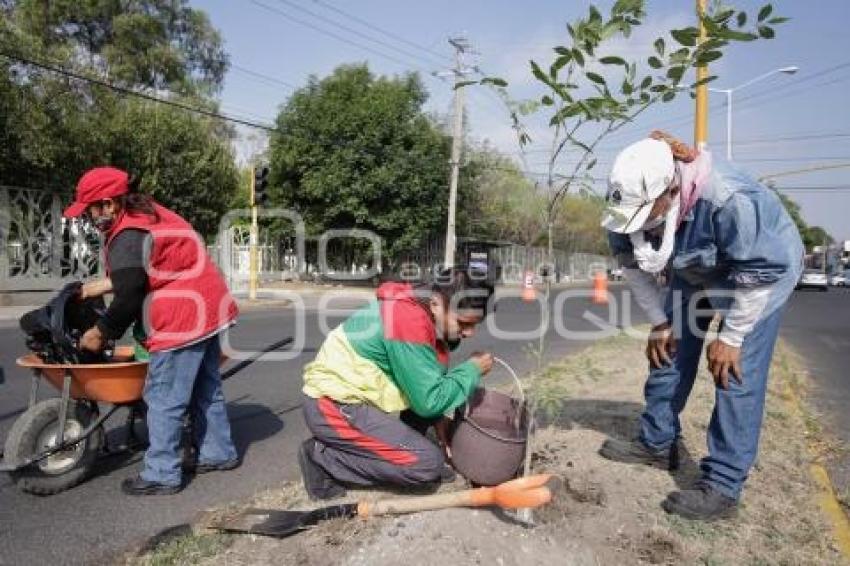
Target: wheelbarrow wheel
(36,430)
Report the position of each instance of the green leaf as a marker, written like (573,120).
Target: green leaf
(723,15)
(655,62)
(595,16)
(764,13)
(627,88)
(579,58)
(559,64)
(595,78)
(708,57)
(733,35)
(680,56)
(742,19)
(686,36)
(612,60)
(577,143)
(608,30)
(675,73)
(564,113)
(668,96)
(495,81)
(547,100)
(659,46)
(766,32)
(701,82)
(644,84)
(571,30)
(561,50)
(777,21)
(712,44)
(658,88)
(645,97)
(462,84)
(591,164)
(539,74)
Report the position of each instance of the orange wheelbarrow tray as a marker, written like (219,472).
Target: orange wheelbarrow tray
(119,384)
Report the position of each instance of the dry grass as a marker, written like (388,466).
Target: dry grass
(607,513)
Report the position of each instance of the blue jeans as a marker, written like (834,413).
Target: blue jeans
(186,378)
(733,433)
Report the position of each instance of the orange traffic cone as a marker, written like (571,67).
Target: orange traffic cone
(528,294)
(600,289)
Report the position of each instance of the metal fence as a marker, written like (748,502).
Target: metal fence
(40,250)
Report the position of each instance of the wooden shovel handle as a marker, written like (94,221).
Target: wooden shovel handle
(414,504)
(525,492)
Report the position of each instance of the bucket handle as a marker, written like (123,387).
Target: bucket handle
(514,375)
(511,371)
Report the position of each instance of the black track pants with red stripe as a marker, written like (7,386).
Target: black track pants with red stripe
(361,445)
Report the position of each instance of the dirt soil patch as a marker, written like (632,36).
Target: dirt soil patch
(605,513)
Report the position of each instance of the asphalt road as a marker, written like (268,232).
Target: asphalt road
(817,325)
(94,521)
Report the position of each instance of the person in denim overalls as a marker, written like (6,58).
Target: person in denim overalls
(731,248)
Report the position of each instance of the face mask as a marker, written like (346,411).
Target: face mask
(104,223)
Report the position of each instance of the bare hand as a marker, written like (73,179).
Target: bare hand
(722,360)
(484,361)
(95,288)
(92,340)
(661,345)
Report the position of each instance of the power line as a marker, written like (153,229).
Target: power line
(805,170)
(137,94)
(681,119)
(336,36)
(263,77)
(355,32)
(441,56)
(794,82)
(390,57)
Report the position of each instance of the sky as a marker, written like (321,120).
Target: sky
(275,45)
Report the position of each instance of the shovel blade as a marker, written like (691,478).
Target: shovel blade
(280,524)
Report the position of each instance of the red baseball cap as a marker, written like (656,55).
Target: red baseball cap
(95,185)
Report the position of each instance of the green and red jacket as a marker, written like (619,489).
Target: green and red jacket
(387,355)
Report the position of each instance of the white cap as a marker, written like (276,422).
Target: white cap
(641,173)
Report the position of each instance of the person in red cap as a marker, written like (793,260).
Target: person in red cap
(160,274)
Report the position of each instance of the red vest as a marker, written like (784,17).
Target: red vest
(187,296)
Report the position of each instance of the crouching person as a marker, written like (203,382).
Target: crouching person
(391,356)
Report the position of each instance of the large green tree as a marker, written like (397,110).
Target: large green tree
(161,44)
(353,150)
(54,127)
(811,235)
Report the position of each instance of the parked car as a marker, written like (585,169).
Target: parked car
(813,279)
(616,274)
(838,280)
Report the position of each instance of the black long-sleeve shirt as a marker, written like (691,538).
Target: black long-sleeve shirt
(126,260)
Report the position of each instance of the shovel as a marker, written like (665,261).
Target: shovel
(522,493)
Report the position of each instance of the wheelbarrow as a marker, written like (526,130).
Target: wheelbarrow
(56,442)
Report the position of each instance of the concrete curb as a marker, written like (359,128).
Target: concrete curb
(825,498)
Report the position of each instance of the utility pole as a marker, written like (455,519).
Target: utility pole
(701,121)
(461,46)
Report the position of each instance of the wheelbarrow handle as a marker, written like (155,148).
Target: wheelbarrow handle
(246,362)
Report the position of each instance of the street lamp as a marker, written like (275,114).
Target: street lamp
(728,92)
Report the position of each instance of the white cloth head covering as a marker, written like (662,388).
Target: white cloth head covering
(641,173)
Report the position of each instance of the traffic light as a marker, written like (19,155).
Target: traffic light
(261,185)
